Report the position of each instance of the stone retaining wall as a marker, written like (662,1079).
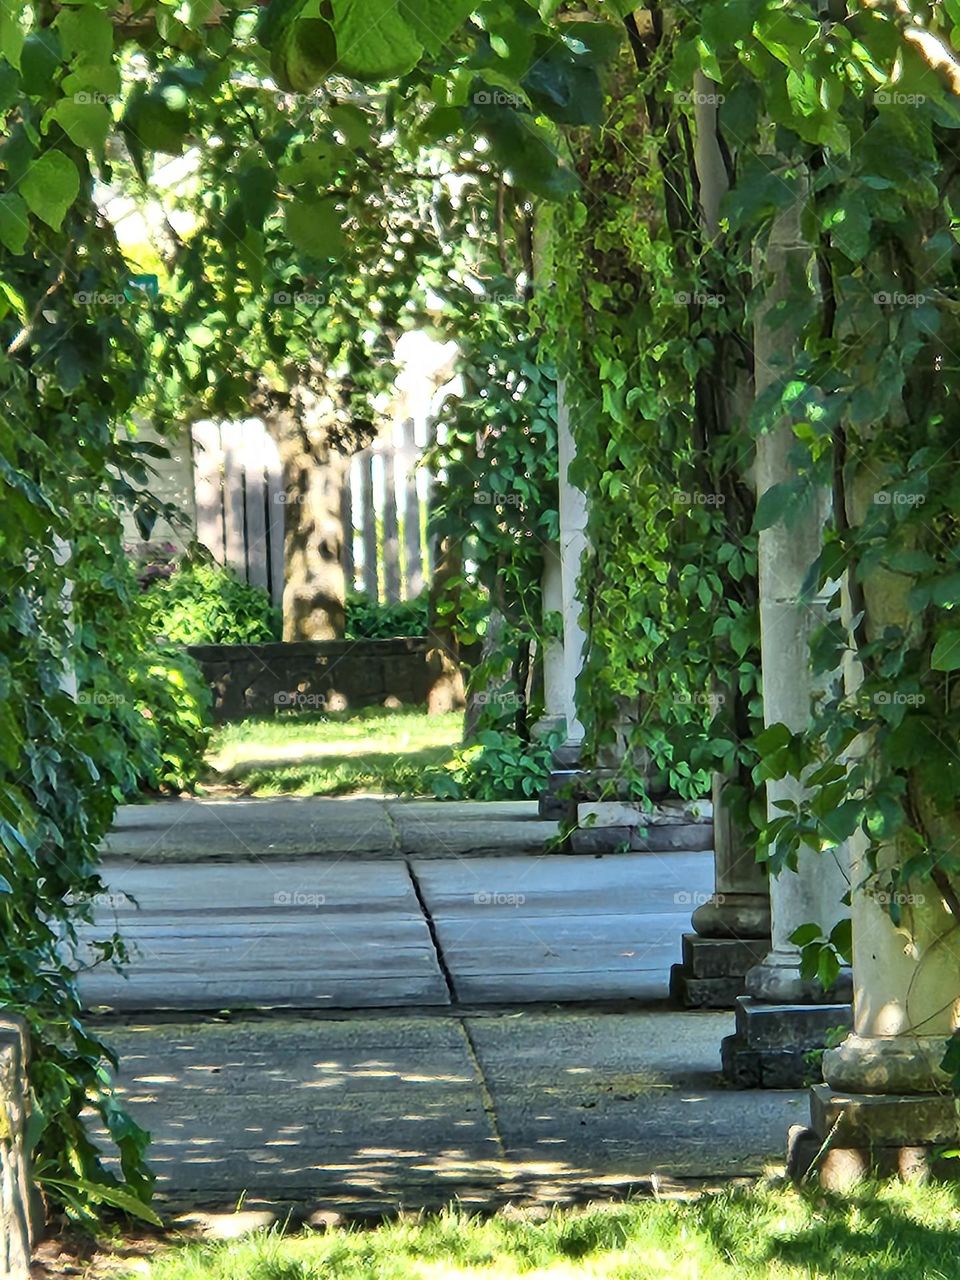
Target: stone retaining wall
(16,1191)
(335,675)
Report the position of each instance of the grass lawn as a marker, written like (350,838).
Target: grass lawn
(334,753)
(771,1232)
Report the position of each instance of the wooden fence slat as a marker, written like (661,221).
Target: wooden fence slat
(255,502)
(276,509)
(413,551)
(207,486)
(231,433)
(391,530)
(369,529)
(346,519)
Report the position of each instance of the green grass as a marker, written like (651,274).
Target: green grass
(774,1233)
(335,753)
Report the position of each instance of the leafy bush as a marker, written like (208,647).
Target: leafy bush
(500,765)
(204,603)
(370,620)
(172,696)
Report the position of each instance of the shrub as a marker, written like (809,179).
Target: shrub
(204,603)
(499,765)
(172,696)
(369,619)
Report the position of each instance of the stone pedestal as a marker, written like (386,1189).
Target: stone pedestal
(777,1046)
(852,1136)
(732,928)
(18,1217)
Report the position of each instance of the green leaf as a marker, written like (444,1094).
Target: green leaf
(11,30)
(315,227)
(946,652)
(373,40)
(157,119)
(107,1193)
(85,123)
(828,968)
(804,934)
(86,34)
(257,193)
(39,62)
(14,222)
(50,187)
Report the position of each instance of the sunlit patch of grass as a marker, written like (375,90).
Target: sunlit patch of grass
(775,1232)
(336,753)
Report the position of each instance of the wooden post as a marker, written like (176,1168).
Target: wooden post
(255,501)
(276,498)
(413,553)
(391,531)
(369,517)
(208,487)
(231,433)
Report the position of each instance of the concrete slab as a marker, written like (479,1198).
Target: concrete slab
(238,830)
(541,929)
(350,1111)
(440,829)
(189,830)
(364,1113)
(283,935)
(638,1091)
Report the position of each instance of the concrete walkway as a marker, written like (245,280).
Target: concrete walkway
(317,933)
(405,987)
(369,1113)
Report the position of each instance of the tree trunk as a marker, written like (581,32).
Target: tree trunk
(314,476)
(447,691)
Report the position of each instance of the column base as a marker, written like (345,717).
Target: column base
(777,980)
(712,971)
(734,915)
(853,1136)
(775,1045)
(612,826)
(559,799)
(888,1064)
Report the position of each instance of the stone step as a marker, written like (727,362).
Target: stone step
(721,957)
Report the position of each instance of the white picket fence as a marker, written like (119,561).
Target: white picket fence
(239,496)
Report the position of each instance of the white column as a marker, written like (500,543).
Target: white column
(573,548)
(556,697)
(906,976)
(814,891)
